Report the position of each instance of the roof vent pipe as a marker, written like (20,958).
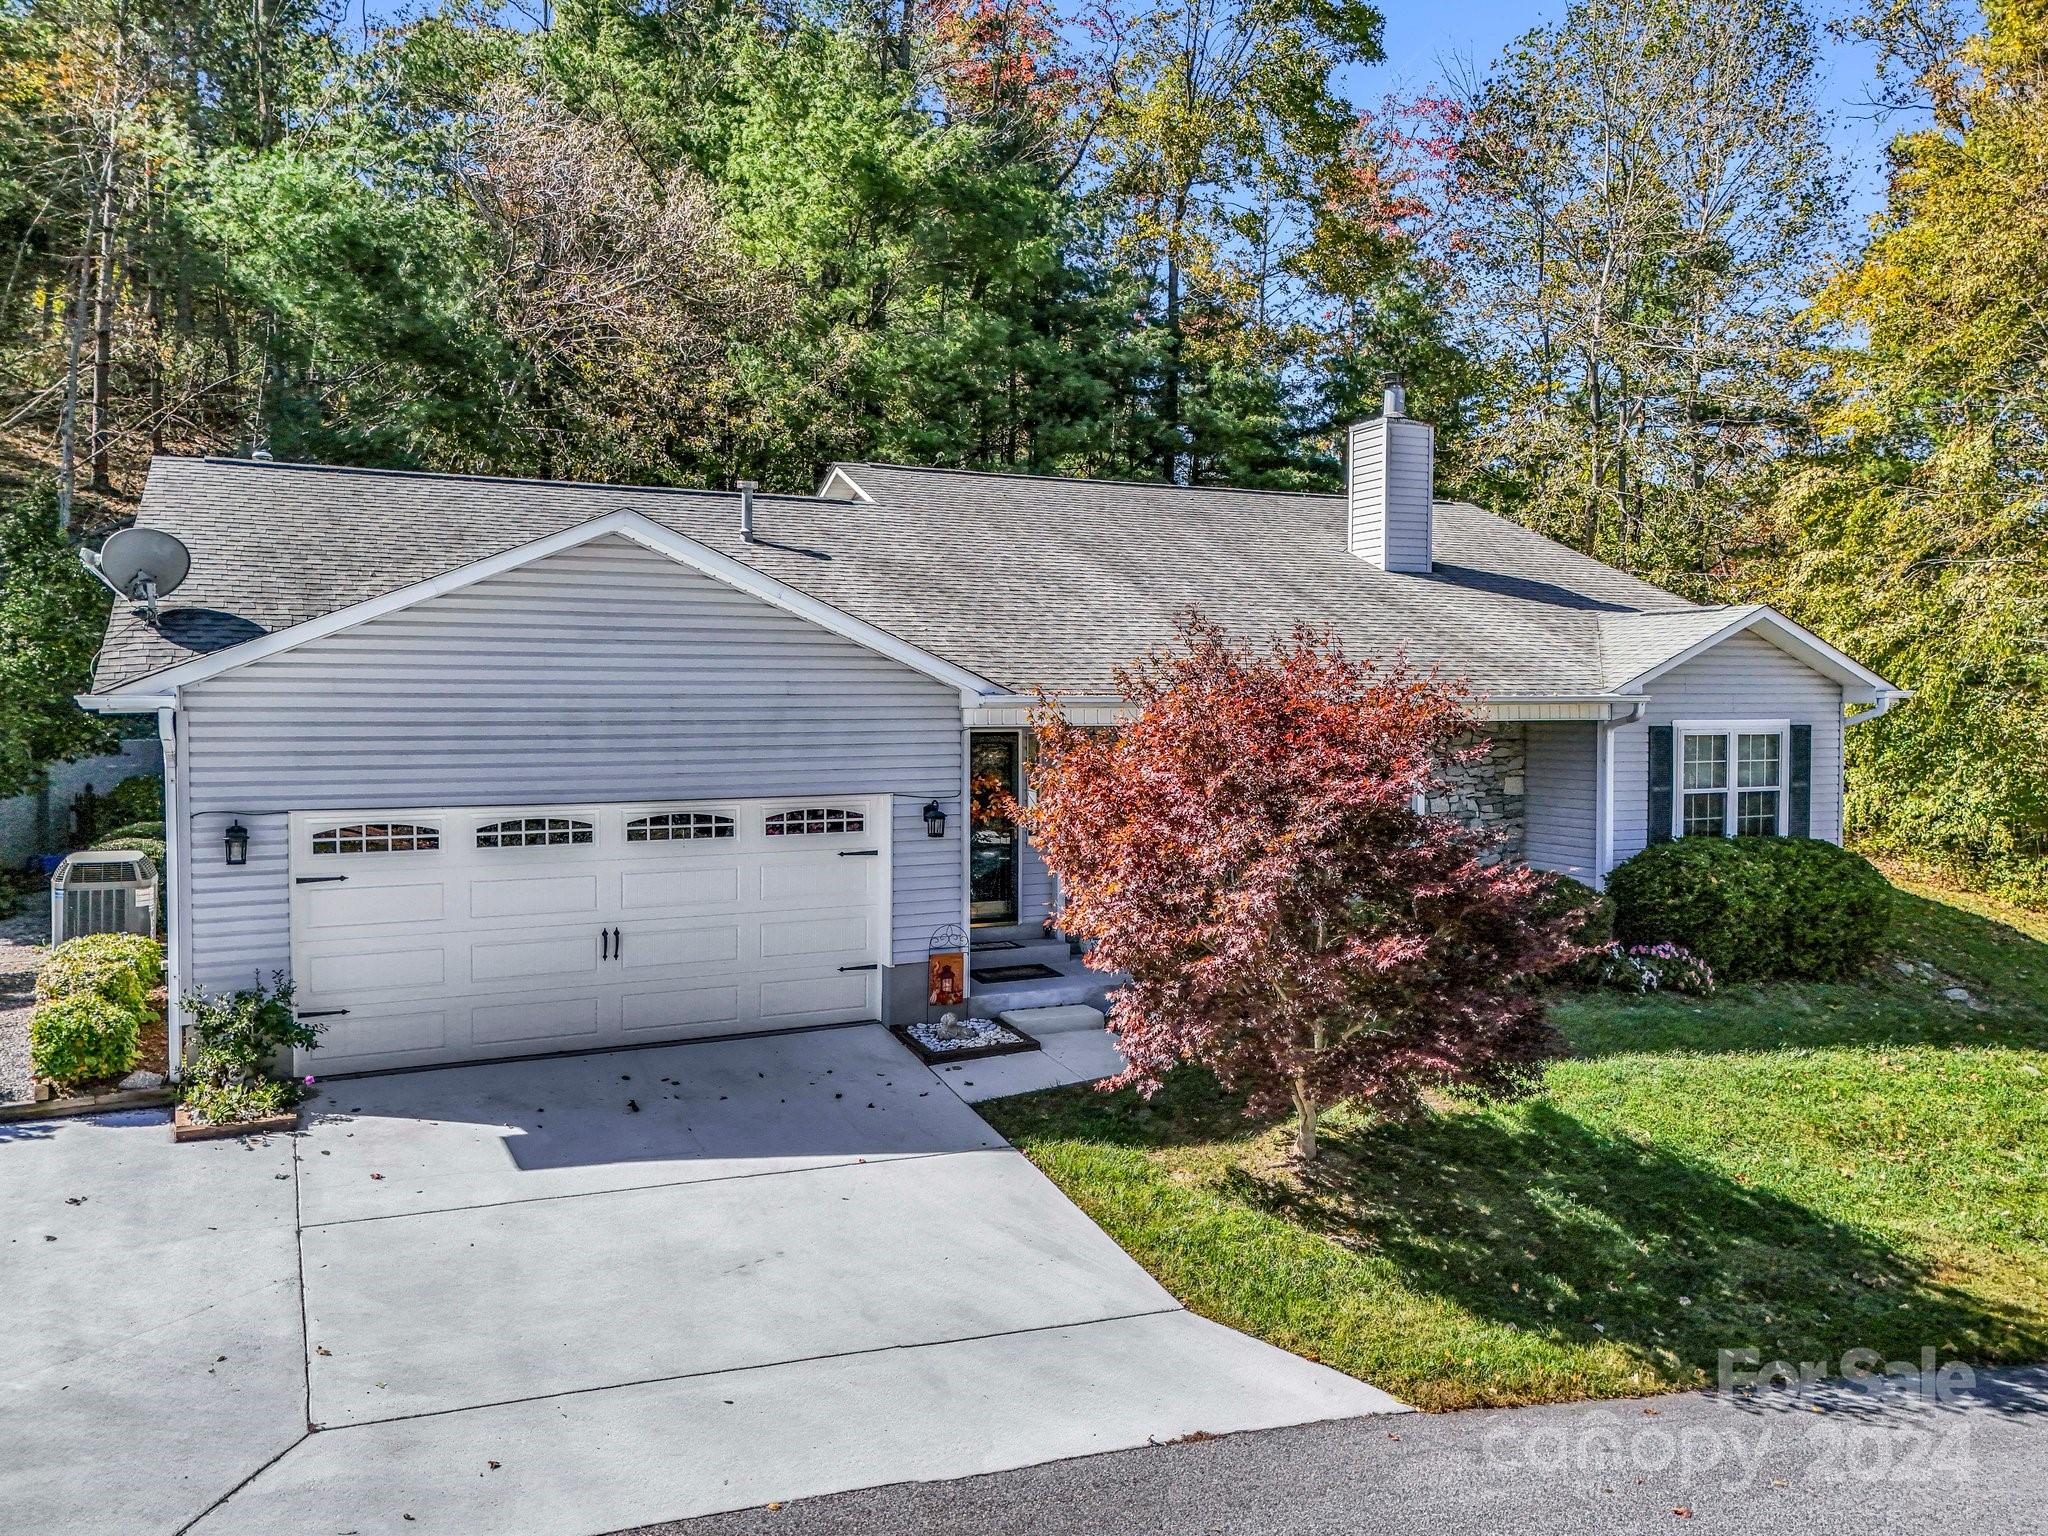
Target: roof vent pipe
(747,489)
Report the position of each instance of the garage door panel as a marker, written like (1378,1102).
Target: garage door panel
(525,956)
(378,969)
(569,1020)
(533,895)
(665,1008)
(818,882)
(342,905)
(784,939)
(411,1033)
(654,946)
(807,999)
(706,885)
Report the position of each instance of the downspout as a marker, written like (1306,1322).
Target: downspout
(1603,791)
(176,890)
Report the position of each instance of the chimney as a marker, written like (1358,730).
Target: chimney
(747,489)
(1390,479)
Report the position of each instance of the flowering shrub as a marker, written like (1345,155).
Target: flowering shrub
(239,1039)
(1653,968)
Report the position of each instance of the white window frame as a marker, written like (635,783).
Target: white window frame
(1730,729)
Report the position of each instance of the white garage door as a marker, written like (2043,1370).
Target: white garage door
(436,935)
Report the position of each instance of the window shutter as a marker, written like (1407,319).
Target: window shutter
(1799,814)
(1660,783)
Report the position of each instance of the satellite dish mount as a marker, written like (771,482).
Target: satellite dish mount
(141,565)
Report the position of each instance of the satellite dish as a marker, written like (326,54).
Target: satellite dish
(142,565)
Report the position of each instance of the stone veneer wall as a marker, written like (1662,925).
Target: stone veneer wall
(1488,791)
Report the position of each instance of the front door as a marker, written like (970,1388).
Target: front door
(996,765)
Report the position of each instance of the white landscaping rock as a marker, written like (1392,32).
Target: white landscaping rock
(143,1080)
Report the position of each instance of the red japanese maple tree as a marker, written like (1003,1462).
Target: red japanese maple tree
(1250,849)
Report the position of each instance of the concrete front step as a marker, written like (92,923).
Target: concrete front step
(1058,1020)
(1051,952)
(1076,986)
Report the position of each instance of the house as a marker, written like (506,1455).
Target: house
(495,767)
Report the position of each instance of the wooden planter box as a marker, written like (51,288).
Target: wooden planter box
(58,1107)
(185,1128)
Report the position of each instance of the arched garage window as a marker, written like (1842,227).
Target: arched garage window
(813,820)
(532,831)
(377,837)
(678,827)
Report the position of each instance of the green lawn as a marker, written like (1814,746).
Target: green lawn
(1797,1169)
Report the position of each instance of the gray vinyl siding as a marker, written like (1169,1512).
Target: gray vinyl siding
(1561,798)
(607,672)
(1034,883)
(1745,677)
(1392,483)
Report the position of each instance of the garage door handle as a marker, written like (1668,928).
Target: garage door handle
(321,1013)
(870,966)
(318,879)
(860,853)
(604,944)
(618,944)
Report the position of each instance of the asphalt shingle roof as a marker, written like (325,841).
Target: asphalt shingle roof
(1028,581)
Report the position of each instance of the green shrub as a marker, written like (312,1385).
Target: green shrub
(1595,924)
(149,829)
(1755,908)
(82,1036)
(138,799)
(123,968)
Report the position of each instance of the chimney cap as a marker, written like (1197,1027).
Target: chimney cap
(1395,401)
(748,485)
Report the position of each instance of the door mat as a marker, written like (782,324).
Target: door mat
(992,975)
(983,946)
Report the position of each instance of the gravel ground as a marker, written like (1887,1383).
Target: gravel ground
(22,938)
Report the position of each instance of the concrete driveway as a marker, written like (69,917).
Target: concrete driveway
(589,1293)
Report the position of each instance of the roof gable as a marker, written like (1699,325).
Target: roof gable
(623,523)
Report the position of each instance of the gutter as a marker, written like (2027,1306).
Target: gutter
(1882,707)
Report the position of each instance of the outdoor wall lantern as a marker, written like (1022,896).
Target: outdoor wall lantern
(238,844)
(934,820)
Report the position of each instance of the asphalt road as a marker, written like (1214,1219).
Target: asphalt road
(1910,1456)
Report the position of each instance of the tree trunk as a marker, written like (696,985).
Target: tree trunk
(103,329)
(67,421)
(1305,1131)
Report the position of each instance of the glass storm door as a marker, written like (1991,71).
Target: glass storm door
(993,842)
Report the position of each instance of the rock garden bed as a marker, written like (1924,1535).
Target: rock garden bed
(950,1039)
